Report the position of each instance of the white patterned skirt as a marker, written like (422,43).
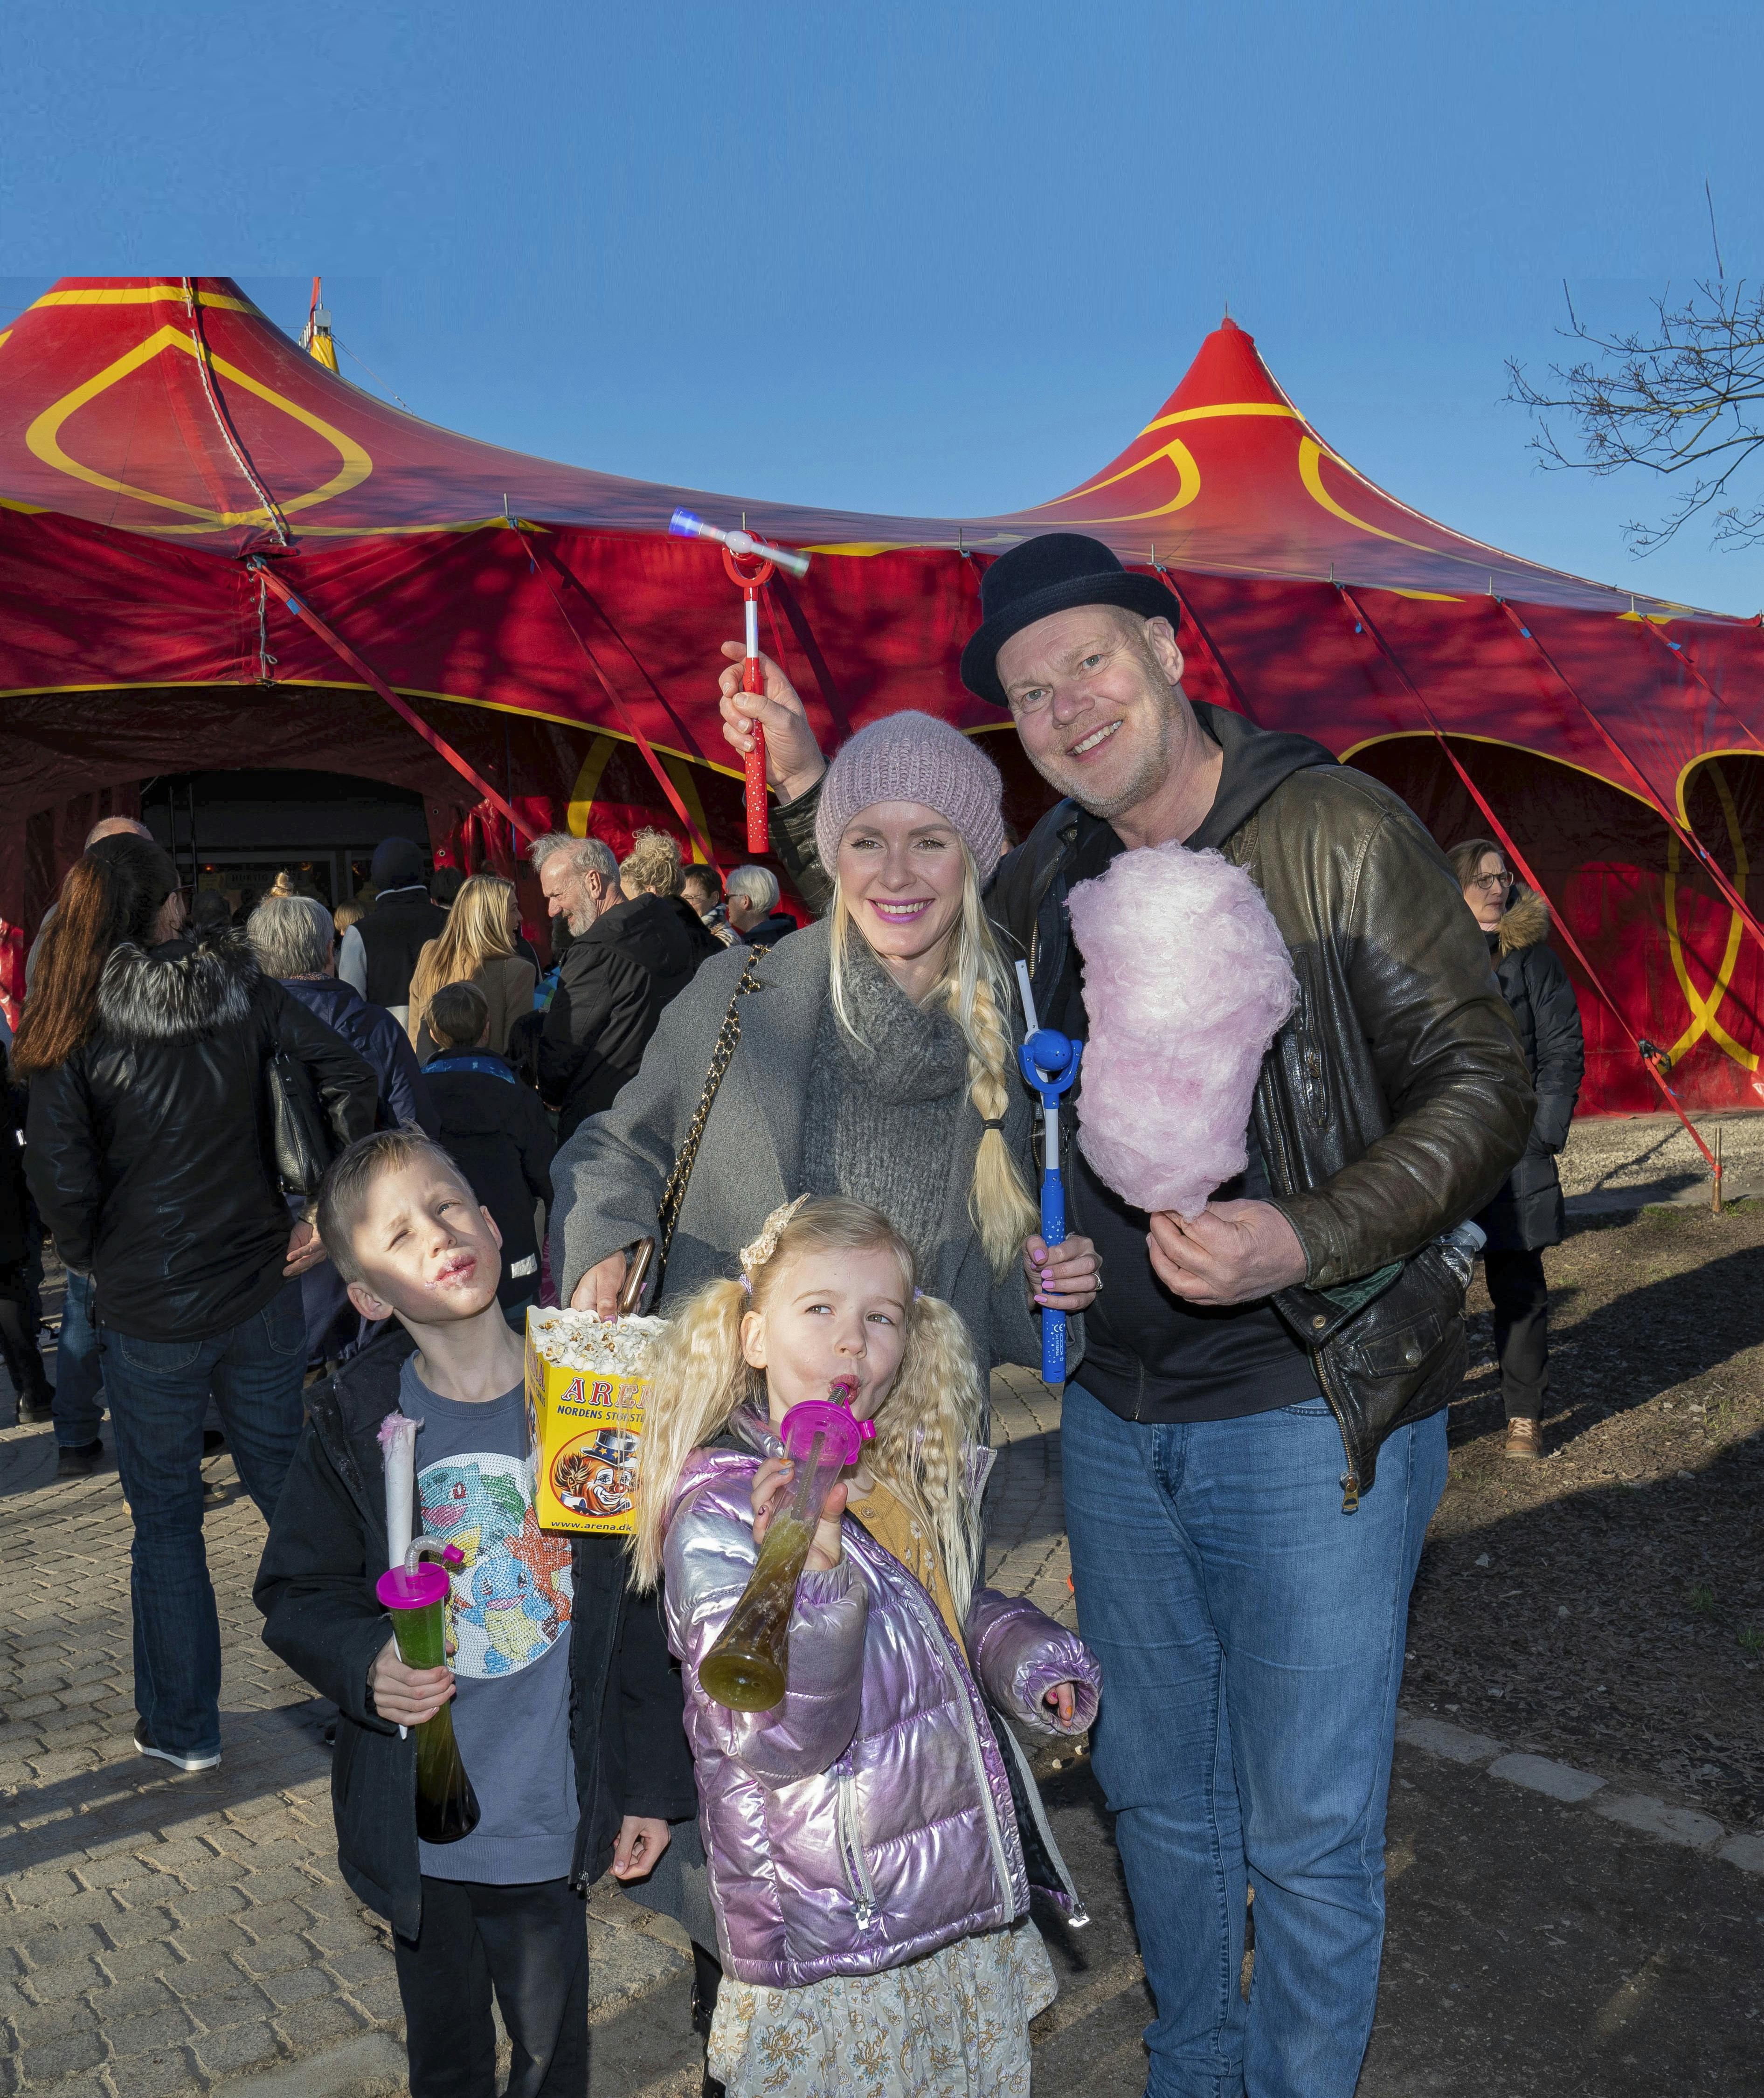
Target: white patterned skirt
(954,2024)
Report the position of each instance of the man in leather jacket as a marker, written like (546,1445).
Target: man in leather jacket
(1255,1440)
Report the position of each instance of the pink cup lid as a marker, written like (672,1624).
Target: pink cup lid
(845,1437)
(428,1583)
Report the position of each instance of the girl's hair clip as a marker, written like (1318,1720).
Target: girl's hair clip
(917,1294)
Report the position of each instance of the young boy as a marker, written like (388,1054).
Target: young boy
(567,1713)
(496,1128)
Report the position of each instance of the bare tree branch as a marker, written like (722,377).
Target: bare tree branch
(1685,398)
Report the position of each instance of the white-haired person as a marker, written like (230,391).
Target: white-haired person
(753,906)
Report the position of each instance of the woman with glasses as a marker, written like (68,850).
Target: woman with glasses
(1526,1215)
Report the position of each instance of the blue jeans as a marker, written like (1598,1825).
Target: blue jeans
(159,1391)
(78,1409)
(1250,1639)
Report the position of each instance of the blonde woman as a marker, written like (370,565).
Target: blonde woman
(477,947)
(876,1061)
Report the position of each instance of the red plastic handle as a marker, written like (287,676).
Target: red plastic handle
(758,828)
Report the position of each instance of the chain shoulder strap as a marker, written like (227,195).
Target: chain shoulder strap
(728,1035)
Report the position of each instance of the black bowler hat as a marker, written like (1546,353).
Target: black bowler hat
(1050,574)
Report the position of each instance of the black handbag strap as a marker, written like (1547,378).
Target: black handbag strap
(674,1190)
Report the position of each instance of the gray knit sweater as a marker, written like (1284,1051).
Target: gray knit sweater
(609,1176)
(883,1114)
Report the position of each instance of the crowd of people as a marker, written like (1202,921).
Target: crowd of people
(822,1130)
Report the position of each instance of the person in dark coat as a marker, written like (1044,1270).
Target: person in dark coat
(379,955)
(567,1713)
(294,942)
(753,911)
(1527,1214)
(150,1154)
(494,1128)
(628,957)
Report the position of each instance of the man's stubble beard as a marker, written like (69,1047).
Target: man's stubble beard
(1146,778)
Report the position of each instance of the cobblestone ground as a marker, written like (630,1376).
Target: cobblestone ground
(165,1934)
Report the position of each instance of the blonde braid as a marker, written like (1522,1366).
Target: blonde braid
(1004,1214)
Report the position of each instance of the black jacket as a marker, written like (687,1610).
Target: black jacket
(315,1588)
(393,934)
(501,1138)
(771,929)
(1527,1212)
(150,1150)
(372,1033)
(1394,1099)
(615,981)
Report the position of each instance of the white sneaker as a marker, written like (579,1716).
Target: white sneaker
(144,1747)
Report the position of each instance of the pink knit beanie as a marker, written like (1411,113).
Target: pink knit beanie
(914,757)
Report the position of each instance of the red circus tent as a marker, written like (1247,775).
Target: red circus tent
(215,550)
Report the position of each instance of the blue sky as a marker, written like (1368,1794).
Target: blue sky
(930,259)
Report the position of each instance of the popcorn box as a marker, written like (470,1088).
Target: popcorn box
(586,1392)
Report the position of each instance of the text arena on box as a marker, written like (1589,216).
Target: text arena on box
(587,1395)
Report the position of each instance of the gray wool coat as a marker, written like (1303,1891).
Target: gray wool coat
(609,1177)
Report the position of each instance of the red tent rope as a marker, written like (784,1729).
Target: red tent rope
(700,842)
(341,649)
(1185,604)
(1685,836)
(810,647)
(1518,859)
(1678,649)
(560,567)
(198,342)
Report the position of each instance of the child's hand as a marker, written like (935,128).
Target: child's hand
(771,1491)
(406,1697)
(641,1842)
(1059,1699)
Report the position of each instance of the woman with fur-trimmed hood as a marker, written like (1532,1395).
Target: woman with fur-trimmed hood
(150,1152)
(1527,1214)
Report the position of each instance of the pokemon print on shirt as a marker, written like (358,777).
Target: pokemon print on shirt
(511,1599)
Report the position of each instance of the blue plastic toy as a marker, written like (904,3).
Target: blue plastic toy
(1049,1062)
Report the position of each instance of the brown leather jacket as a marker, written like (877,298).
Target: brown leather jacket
(1395,1100)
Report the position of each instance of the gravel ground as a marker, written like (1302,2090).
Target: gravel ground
(1606,1606)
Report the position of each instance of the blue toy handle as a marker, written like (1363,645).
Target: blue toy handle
(1049,1062)
(1053,1323)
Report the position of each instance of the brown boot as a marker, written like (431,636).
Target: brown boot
(1524,1438)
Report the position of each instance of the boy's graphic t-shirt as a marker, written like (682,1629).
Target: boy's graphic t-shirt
(508,1620)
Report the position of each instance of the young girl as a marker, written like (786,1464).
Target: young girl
(866,1866)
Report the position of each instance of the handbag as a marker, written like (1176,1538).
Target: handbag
(302,1142)
(673,1188)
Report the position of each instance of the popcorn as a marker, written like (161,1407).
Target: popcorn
(579,1341)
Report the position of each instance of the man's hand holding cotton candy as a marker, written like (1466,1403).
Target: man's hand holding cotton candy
(1233,1252)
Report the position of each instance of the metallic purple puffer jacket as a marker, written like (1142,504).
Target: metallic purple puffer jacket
(865,1820)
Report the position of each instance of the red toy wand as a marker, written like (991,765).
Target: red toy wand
(739,547)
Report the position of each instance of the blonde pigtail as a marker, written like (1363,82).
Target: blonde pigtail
(699,1377)
(922,1433)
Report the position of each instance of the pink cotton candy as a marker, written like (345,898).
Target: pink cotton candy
(1186,981)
